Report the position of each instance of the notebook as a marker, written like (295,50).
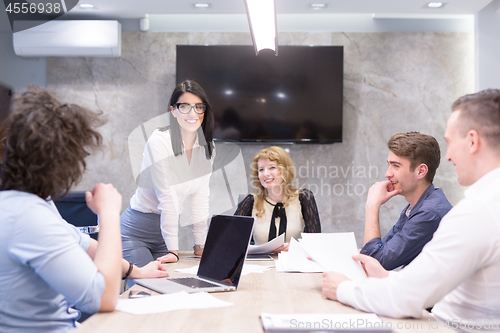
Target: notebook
(221,263)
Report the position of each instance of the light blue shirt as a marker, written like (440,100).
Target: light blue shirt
(44,267)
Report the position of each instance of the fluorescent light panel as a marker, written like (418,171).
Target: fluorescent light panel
(201,5)
(435,4)
(317,6)
(262,19)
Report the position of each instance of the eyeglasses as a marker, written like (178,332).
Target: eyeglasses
(185,108)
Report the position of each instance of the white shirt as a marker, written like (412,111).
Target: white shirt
(165,183)
(458,270)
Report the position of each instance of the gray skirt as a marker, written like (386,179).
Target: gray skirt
(142,241)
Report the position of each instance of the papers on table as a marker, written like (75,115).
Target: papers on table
(369,322)
(330,252)
(247,269)
(334,252)
(295,260)
(170,302)
(269,247)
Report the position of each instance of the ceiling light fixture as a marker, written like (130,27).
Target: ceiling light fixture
(262,20)
(201,5)
(318,6)
(144,23)
(435,4)
(86,6)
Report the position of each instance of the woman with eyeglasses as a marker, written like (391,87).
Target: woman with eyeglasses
(177,163)
(278,207)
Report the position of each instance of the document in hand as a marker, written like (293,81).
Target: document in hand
(323,322)
(334,251)
(295,260)
(267,248)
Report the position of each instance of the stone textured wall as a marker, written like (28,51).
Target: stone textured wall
(393,82)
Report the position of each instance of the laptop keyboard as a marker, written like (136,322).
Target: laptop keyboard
(194,282)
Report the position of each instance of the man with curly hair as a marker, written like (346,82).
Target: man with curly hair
(46,265)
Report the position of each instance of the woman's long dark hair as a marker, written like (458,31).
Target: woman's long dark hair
(206,130)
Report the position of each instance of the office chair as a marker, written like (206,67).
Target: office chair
(73,208)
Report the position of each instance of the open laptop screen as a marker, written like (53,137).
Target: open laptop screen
(226,248)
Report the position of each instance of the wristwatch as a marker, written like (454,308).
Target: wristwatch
(198,247)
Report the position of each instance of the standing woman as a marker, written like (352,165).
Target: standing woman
(177,162)
(277,206)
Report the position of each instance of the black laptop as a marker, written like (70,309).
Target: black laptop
(221,263)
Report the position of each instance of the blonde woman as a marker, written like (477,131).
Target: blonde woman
(277,206)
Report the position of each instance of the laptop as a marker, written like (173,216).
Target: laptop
(221,263)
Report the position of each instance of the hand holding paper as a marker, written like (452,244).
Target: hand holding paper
(295,260)
(334,252)
(269,247)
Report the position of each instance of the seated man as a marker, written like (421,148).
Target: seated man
(413,161)
(458,269)
(46,265)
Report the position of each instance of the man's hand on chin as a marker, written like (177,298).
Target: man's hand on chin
(331,281)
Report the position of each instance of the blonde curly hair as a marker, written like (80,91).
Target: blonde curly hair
(287,169)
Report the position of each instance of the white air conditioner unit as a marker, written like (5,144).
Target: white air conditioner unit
(69,39)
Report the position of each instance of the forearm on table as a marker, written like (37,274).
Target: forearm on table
(200,215)
(384,297)
(108,258)
(199,232)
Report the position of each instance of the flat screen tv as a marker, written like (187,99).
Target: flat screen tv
(295,97)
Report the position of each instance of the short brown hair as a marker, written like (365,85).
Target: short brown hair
(47,144)
(418,148)
(481,112)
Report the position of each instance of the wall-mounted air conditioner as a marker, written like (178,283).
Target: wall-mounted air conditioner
(69,39)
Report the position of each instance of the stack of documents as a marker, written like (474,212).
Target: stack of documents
(329,252)
(295,260)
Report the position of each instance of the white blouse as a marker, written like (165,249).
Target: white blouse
(167,180)
(294,226)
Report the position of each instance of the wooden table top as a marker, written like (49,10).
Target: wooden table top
(270,292)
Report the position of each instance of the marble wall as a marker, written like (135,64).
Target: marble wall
(393,82)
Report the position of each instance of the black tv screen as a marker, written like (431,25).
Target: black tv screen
(293,97)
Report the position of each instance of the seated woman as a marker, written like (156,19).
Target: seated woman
(46,265)
(277,206)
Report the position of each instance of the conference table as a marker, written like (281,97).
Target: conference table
(268,292)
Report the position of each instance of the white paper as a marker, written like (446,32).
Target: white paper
(338,321)
(170,302)
(247,269)
(295,260)
(334,251)
(269,247)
